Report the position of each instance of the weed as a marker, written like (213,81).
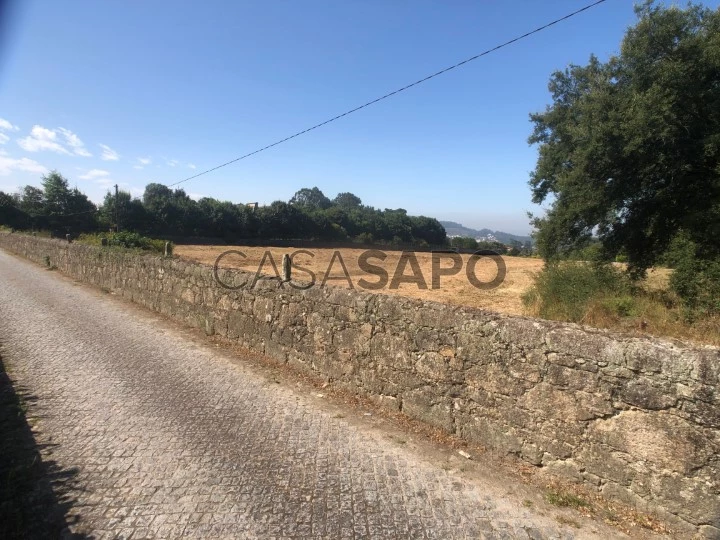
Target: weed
(564,499)
(566,521)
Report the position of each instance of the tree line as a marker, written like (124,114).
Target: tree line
(308,215)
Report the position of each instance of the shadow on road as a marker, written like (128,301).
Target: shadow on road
(34,500)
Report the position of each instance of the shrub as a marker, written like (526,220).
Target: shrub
(697,283)
(127,240)
(696,279)
(364,238)
(569,290)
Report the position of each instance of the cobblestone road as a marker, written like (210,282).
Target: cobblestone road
(171,437)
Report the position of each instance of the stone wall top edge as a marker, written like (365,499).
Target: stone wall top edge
(645,343)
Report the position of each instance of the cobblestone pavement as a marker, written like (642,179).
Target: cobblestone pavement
(170,437)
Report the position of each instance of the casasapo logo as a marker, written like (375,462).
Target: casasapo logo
(375,276)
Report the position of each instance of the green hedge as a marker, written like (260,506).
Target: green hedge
(126,239)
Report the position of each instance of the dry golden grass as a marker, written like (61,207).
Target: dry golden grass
(455,289)
(653,317)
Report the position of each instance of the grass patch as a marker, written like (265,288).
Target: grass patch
(565,500)
(565,521)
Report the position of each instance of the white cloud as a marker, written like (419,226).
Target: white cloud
(192,166)
(42,138)
(94,173)
(108,153)
(172,162)
(142,162)
(7,126)
(72,140)
(4,138)
(9,165)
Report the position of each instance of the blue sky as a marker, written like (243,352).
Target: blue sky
(134,92)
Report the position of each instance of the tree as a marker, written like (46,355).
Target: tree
(131,213)
(428,230)
(57,206)
(32,202)
(311,199)
(347,200)
(172,212)
(10,214)
(283,220)
(629,150)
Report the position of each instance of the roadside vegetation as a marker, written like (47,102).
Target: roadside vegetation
(125,239)
(604,296)
(629,159)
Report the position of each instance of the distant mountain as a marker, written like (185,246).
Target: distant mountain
(456,229)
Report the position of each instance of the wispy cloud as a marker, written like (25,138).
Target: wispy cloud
(108,154)
(172,162)
(142,162)
(93,174)
(5,125)
(74,142)
(192,166)
(9,165)
(53,140)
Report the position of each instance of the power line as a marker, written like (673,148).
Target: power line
(420,81)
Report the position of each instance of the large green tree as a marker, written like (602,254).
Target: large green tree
(311,198)
(57,206)
(629,149)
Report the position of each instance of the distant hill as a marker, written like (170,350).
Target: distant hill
(456,229)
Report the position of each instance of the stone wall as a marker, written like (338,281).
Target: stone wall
(636,418)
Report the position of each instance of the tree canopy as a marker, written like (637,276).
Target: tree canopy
(629,149)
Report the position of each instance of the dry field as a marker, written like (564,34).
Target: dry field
(454,289)
(654,318)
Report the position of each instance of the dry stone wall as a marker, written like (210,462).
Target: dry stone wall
(636,418)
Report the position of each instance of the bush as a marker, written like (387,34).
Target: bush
(569,290)
(127,240)
(697,283)
(696,279)
(463,242)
